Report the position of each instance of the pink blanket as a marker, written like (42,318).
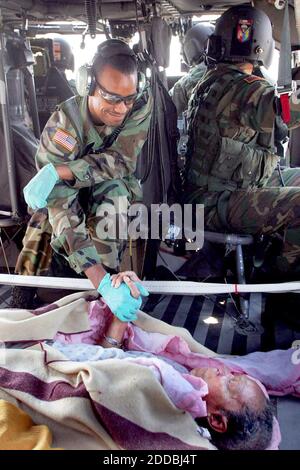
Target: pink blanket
(278,370)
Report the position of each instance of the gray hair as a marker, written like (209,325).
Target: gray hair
(246,430)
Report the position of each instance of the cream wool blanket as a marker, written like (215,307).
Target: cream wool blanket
(90,405)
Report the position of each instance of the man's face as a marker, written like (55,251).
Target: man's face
(229,391)
(112,82)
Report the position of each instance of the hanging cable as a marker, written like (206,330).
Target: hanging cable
(104,24)
(131,254)
(137,21)
(91,16)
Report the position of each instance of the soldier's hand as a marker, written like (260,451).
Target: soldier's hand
(119,299)
(133,282)
(40,186)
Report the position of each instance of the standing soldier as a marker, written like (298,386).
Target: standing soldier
(86,160)
(231,153)
(193,49)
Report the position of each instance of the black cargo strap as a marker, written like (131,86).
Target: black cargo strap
(71,108)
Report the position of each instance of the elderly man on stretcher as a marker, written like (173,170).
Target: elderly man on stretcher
(155,387)
(231,406)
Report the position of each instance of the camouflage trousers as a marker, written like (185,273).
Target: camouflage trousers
(116,194)
(268,210)
(35,257)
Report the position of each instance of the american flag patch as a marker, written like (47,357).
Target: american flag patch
(64,139)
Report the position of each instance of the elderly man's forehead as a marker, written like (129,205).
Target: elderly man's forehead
(254,394)
(260,386)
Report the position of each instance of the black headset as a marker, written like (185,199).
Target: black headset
(112,47)
(85,79)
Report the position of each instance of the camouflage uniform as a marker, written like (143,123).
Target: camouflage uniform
(182,89)
(232,160)
(100,180)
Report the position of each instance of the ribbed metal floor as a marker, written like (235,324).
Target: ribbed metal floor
(222,336)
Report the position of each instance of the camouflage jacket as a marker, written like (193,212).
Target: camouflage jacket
(243,116)
(182,89)
(250,105)
(60,144)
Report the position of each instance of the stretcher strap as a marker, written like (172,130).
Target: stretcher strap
(154,287)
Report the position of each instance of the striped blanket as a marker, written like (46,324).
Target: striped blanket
(112,404)
(93,404)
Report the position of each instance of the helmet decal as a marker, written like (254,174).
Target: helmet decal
(244,30)
(242,34)
(57,51)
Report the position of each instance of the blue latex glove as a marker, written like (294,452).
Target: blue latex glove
(142,289)
(40,186)
(119,300)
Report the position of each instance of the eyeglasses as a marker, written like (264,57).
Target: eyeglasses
(116,99)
